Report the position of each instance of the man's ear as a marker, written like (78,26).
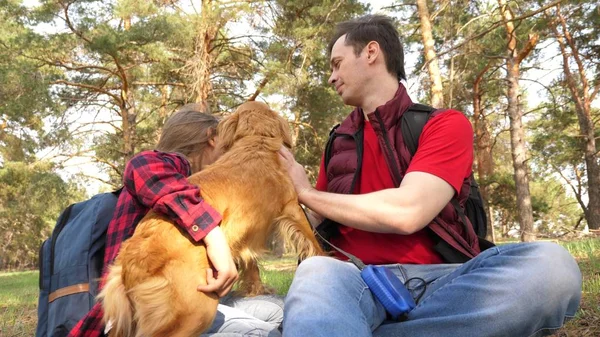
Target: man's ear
(226,131)
(373,51)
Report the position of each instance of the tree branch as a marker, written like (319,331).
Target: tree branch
(99,179)
(88,87)
(498,24)
(260,87)
(595,92)
(70,24)
(531,42)
(159,84)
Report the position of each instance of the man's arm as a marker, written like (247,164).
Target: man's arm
(403,210)
(436,172)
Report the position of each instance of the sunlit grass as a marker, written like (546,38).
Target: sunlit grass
(19,291)
(18,303)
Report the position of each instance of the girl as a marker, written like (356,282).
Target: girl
(157,180)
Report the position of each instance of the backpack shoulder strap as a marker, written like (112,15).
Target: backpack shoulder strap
(329,145)
(60,225)
(117,192)
(412,123)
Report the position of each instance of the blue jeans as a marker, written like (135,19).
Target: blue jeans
(516,290)
(259,316)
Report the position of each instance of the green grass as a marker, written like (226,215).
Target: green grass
(278,272)
(587,320)
(19,291)
(280,280)
(18,303)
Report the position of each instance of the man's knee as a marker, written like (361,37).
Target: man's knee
(566,269)
(324,268)
(558,262)
(558,278)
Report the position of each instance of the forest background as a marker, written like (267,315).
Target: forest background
(86,84)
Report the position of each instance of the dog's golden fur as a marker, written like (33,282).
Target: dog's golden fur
(151,288)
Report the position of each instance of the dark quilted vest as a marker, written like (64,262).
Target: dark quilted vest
(449,233)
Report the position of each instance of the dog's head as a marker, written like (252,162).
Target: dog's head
(253,119)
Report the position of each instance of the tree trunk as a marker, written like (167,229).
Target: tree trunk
(491,234)
(199,66)
(128,111)
(582,99)
(437,96)
(519,155)
(483,149)
(164,101)
(503,225)
(517,134)
(129,116)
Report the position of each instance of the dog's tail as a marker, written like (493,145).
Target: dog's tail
(297,233)
(156,317)
(148,317)
(118,310)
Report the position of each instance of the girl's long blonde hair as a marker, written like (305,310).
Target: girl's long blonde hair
(188,130)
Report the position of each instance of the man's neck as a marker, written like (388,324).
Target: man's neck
(382,94)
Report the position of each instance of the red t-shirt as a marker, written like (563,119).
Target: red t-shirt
(445,150)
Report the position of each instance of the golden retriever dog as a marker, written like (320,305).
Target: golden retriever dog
(151,288)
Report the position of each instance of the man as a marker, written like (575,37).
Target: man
(394,210)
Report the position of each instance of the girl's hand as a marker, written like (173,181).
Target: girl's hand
(220,280)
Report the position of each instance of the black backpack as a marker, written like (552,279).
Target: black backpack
(412,123)
(71,262)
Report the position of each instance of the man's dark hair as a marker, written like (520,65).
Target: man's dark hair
(360,31)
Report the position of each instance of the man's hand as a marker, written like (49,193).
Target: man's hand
(225,274)
(295,171)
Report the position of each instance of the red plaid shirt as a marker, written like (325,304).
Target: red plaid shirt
(156,181)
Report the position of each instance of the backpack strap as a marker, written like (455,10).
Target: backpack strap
(117,192)
(62,221)
(412,123)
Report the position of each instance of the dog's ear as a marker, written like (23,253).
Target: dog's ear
(226,131)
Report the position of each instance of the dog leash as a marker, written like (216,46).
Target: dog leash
(361,266)
(355,260)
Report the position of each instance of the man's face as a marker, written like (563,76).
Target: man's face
(347,72)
